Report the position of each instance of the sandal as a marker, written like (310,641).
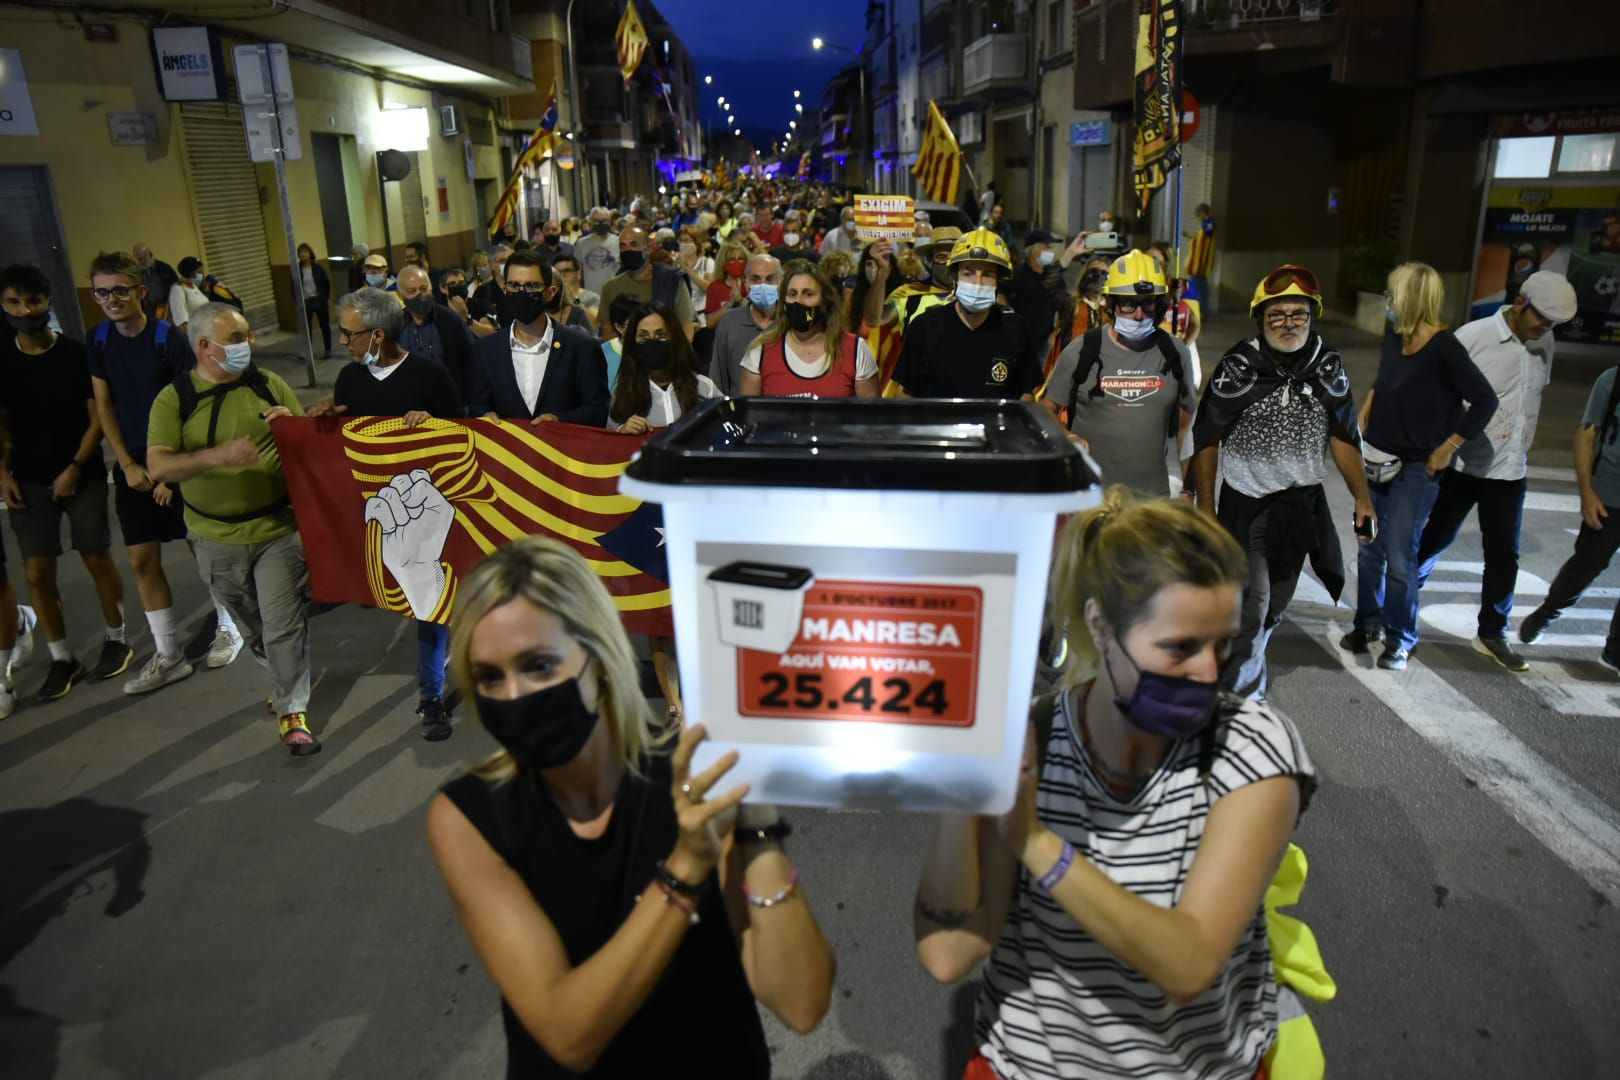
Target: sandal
(296,736)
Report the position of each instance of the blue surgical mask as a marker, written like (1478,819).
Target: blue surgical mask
(975,297)
(1048,257)
(238,355)
(376,280)
(762,296)
(1132,329)
(197,279)
(374,354)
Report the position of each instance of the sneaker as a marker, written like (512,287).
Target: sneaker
(60,679)
(1533,625)
(227,644)
(1497,649)
(8,702)
(25,638)
(159,672)
(114,660)
(296,736)
(1361,641)
(1393,659)
(435,723)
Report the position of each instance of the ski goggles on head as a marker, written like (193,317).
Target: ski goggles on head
(1277,282)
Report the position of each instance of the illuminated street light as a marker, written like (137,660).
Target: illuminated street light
(793,125)
(798,108)
(731,119)
(708,80)
(738,133)
(722,101)
(816,43)
(795,93)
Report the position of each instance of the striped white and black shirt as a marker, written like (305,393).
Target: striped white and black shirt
(1054,1002)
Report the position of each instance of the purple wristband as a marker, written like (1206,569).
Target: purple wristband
(1049,880)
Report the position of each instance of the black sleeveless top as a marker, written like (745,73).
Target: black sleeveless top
(587,889)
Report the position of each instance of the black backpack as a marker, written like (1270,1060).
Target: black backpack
(190,398)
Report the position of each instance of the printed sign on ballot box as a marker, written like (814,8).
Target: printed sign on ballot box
(818,646)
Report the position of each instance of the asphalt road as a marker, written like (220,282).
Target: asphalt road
(181,899)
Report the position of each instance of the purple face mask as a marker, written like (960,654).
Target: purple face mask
(1169,706)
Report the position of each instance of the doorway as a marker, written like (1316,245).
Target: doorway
(31,233)
(333,191)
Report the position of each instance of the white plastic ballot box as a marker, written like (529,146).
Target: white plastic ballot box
(858,589)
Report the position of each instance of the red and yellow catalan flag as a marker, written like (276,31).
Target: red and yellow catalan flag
(939,163)
(631,38)
(468,487)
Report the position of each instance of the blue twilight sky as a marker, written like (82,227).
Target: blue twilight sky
(759,53)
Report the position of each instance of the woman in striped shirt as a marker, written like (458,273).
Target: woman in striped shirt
(1120,901)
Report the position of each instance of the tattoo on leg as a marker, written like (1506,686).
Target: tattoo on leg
(947,918)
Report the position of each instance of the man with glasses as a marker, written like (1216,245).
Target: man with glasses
(974,347)
(132,359)
(1273,405)
(1126,386)
(537,370)
(387,379)
(906,302)
(431,330)
(598,251)
(1513,349)
(579,308)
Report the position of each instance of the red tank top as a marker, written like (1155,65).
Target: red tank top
(777,379)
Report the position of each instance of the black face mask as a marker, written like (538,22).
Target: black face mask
(553,239)
(654,355)
(631,261)
(601,228)
(420,306)
(541,730)
(526,307)
(802,317)
(29,324)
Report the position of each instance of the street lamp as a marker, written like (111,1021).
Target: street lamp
(708,80)
(793,125)
(816,43)
(722,101)
(731,119)
(738,133)
(798,108)
(795,93)
(820,43)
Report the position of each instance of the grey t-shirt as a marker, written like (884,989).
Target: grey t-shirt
(733,333)
(1606,469)
(598,260)
(1132,418)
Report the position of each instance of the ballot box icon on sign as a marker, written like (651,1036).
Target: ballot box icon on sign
(758,605)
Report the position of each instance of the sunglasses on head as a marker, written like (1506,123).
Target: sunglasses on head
(1288,274)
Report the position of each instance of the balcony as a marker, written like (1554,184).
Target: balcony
(995,62)
(969,128)
(1229,14)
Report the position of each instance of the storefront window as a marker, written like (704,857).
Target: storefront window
(1525,158)
(1586,153)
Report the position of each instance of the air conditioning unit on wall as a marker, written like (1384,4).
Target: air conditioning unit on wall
(449,122)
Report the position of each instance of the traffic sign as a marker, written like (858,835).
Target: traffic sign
(1191,114)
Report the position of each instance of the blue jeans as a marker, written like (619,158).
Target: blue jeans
(1387,568)
(432,649)
(1500,504)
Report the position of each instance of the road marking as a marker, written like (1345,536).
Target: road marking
(1576,826)
(1546,500)
(1547,472)
(1569,695)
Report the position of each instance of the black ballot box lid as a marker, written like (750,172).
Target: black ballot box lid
(1004,447)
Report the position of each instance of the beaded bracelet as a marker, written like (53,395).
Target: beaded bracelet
(779,898)
(1049,880)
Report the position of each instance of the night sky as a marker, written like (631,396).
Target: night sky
(759,53)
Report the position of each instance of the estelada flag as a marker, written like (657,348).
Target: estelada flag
(631,37)
(804,166)
(394,516)
(1157,144)
(543,139)
(939,162)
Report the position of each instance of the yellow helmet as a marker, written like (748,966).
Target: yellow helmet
(1289,279)
(981,245)
(1135,273)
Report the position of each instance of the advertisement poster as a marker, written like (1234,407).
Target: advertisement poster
(1574,231)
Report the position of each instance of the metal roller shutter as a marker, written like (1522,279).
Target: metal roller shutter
(225,191)
(29,234)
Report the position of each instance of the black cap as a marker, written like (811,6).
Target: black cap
(1041,236)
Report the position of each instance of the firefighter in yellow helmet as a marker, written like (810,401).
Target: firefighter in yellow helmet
(1276,405)
(1127,387)
(971,347)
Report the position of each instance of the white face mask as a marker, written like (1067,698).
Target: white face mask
(1105,224)
(1048,257)
(975,297)
(871,273)
(790,239)
(849,226)
(1132,329)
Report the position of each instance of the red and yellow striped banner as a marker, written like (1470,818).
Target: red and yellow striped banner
(939,163)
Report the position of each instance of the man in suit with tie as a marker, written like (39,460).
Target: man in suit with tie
(537,370)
